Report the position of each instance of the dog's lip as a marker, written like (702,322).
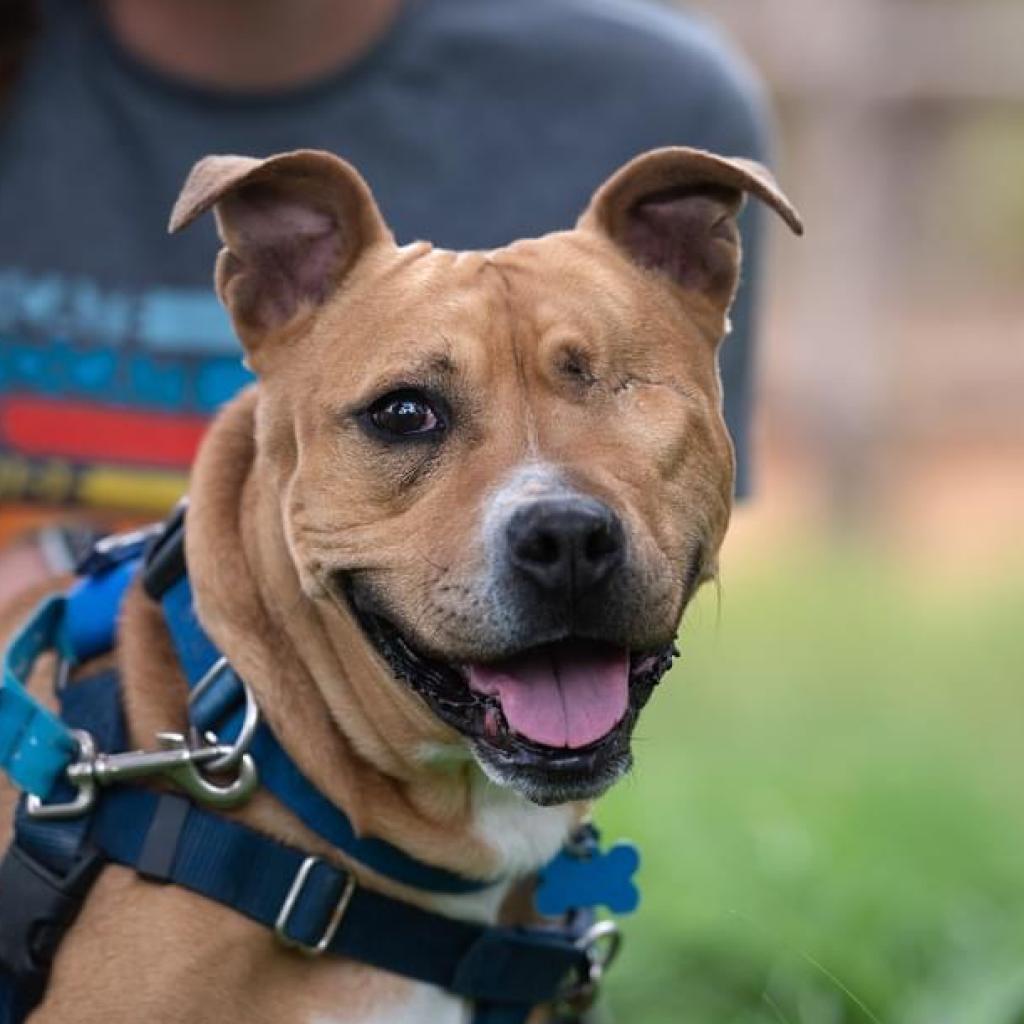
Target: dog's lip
(444,686)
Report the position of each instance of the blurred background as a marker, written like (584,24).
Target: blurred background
(829,792)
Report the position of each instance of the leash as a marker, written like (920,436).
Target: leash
(80,812)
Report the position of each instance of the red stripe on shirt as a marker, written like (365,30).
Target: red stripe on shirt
(82,432)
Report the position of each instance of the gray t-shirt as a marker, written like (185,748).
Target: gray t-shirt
(474,121)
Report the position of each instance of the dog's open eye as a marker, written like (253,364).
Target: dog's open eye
(405,413)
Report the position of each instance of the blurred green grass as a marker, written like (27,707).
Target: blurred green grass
(828,799)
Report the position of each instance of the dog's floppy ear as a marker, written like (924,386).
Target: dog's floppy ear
(292,226)
(674,211)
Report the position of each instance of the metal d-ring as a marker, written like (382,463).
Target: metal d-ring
(250,720)
(85,795)
(601,944)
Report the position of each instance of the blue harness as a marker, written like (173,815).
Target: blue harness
(80,811)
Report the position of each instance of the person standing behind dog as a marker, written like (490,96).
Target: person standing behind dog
(475,121)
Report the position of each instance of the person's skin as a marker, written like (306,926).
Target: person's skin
(249,45)
(21,567)
(241,45)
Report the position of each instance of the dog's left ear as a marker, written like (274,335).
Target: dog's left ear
(674,211)
(292,225)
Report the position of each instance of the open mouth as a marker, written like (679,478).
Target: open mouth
(554,720)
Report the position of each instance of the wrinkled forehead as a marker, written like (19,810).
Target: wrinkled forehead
(430,313)
(416,314)
(574,293)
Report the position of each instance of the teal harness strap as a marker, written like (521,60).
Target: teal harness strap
(35,745)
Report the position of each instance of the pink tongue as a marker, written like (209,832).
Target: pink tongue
(565,695)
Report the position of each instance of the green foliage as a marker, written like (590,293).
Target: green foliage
(828,799)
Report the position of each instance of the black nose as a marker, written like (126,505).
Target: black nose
(568,545)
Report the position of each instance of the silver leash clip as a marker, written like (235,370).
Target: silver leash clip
(186,762)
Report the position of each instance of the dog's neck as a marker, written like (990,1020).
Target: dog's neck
(358,735)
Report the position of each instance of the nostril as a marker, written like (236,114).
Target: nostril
(601,543)
(540,548)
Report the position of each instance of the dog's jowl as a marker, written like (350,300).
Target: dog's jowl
(446,540)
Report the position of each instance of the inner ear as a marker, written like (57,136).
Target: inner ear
(688,234)
(674,211)
(292,225)
(282,251)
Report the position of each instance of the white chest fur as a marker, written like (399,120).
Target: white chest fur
(523,835)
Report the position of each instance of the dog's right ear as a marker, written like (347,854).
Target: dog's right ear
(292,226)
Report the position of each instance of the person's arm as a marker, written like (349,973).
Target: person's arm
(42,554)
(22,565)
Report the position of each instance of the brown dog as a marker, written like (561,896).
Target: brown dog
(447,539)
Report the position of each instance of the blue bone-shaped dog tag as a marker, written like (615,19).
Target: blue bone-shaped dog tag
(604,879)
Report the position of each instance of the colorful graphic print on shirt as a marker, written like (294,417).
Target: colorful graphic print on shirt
(104,393)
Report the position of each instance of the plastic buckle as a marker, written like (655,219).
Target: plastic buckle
(291,901)
(39,907)
(114,549)
(164,562)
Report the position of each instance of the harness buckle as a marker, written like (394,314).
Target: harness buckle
(292,900)
(40,905)
(115,548)
(601,943)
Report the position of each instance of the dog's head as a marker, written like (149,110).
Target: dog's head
(511,466)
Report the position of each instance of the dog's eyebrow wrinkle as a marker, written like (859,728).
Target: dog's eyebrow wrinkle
(529,419)
(441,362)
(433,364)
(426,368)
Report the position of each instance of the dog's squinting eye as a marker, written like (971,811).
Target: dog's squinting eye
(405,413)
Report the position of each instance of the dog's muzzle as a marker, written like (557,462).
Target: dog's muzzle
(558,660)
